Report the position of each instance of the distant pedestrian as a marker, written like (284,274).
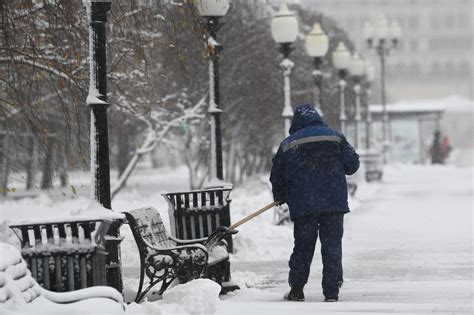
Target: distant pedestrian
(445,148)
(435,150)
(309,174)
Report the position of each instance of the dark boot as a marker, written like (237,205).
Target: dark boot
(331,298)
(295,294)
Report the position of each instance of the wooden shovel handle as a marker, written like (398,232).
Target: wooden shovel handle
(253,215)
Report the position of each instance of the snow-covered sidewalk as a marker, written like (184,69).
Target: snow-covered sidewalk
(407,247)
(407,250)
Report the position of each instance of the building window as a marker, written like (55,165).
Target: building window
(434,22)
(449,68)
(463,20)
(449,21)
(414,68)
(435,67)
(413,22)
(464,68)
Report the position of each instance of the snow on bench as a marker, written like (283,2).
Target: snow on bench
(20,293)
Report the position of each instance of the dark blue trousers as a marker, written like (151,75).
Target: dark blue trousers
(330,228)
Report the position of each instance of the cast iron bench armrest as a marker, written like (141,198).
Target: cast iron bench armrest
(193,246)
(193,241)
(196,241)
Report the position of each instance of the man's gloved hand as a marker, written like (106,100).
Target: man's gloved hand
(279,203)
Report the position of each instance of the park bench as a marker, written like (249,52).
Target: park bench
(63,256)
(70,253)
(164,258)
(21,294)
(194,215)
(373,165)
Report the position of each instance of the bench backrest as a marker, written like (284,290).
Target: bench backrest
(17,287)
(196,214)
(148,228)
(63,256)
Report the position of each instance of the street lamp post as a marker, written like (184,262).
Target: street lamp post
(284,32)
(97,101)
(341,59)
(357,70)
(368,91)
(212,11)
(383,38)
(317,45)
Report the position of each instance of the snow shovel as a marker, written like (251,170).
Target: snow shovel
(223,231)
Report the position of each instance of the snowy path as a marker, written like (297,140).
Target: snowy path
(408,250)
(407,245)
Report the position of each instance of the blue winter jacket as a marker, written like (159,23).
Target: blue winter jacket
(309,170)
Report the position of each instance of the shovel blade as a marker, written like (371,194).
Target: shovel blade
(220,233)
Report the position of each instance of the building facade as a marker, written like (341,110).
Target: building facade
(435,54)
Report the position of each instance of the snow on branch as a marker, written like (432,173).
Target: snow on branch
(34,63)
(153,137)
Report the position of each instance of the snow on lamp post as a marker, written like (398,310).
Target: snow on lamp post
(383,37)
(284,31)
(212,11)
(357,70)
(317,45)
(97,101)
(341,58)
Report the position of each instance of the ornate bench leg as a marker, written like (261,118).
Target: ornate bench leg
(142,278)
(142,295)
(165,285)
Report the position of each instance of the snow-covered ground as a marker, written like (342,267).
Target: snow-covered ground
(407,247)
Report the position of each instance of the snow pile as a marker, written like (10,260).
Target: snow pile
(95,210)
(248,279)
(197,297)
(48,210)
(216,254)
(7,235)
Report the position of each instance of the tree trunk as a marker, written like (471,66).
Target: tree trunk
(30,165)
(4,166)
(123,156)
(63,163)
(231,163)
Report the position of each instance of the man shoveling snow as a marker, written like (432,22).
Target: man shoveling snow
(309,174)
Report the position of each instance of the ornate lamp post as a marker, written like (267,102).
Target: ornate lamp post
(357,70)
(317,45)
(341,58)
(368,122)
(383,37)
(284,32)
(97,101)
(212,11)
